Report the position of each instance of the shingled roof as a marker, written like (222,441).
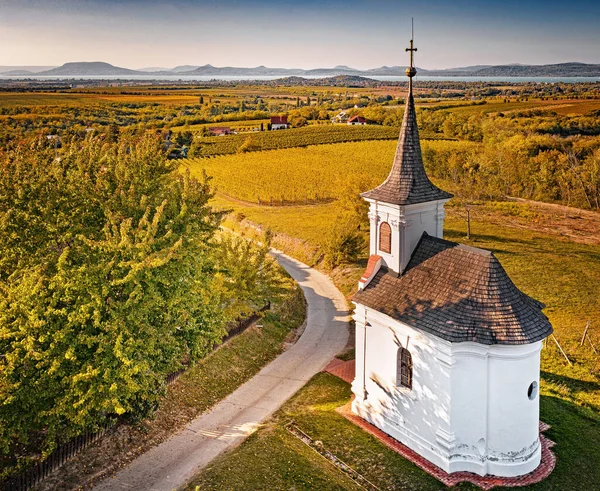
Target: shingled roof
(407,183)
(459,294)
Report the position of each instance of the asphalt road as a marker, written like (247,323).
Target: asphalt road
(173,463)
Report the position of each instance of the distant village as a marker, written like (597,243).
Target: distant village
(281,123)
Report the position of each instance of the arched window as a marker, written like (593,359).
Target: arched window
(385,237)
(404,368)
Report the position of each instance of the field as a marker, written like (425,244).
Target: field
(311,174)
(292,138)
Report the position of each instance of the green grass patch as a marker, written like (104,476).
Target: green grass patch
(272,458)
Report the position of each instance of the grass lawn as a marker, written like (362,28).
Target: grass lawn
(274,459)
(198,389)
(560,269)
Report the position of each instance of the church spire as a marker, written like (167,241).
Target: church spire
(407,182)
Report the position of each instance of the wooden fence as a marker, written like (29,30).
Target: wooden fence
(37,473)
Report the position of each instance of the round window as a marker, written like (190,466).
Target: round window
(532,391)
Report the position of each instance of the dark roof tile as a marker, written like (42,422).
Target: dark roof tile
(457,293)
(407,182)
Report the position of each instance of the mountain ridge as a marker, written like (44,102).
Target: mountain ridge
(98,68)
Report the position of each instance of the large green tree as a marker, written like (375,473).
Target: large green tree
(106,283)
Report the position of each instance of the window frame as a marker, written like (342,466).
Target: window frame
(388,243)
(404,369)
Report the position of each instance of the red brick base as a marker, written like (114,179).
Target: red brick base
(341,369)
(345,371)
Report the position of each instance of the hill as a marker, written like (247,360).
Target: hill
(572,69)
(94,68)
(25,69)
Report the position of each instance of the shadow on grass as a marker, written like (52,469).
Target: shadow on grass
(572,383)
(576,435)
(459,235)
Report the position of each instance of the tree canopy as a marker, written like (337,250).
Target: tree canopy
(110,279)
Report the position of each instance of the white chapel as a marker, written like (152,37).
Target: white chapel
(447,347)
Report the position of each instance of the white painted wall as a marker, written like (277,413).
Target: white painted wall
(412,416)
(408,224)
(468,409)
(495,422)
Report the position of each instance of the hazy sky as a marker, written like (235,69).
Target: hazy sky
(300,33)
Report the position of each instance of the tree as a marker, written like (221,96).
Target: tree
(106,290)
(247,276)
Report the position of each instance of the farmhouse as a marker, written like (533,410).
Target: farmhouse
(279,122)
(340,117)
(447,347)
(220,130)
(354,120)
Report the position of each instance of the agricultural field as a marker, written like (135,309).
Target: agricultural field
(306,175)
(292,138)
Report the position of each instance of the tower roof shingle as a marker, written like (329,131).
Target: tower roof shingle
(407,183)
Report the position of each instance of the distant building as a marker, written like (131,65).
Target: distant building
(219,130)
(354,120)
(341,117)
(279,123)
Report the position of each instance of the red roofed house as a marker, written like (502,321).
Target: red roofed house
(279,123)
(357,120)
(219,130)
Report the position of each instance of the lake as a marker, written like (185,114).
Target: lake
(204,78)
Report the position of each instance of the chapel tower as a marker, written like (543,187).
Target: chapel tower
(407,203)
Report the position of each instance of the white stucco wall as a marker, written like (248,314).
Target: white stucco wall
(495,423)
(408,224)
(468,409)
(413,416)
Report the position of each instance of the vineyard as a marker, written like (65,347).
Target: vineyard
(238,126)
(307,175)
(296,137)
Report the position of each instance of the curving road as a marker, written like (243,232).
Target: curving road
(173,463)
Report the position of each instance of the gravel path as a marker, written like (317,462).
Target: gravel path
(173,463)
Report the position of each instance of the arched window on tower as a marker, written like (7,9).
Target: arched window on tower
(385,237)
(404,368)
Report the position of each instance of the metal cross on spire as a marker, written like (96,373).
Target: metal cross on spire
(411,71)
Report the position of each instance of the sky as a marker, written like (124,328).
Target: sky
(298,33)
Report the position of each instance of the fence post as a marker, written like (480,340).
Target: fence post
(587,326)
(561,350)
